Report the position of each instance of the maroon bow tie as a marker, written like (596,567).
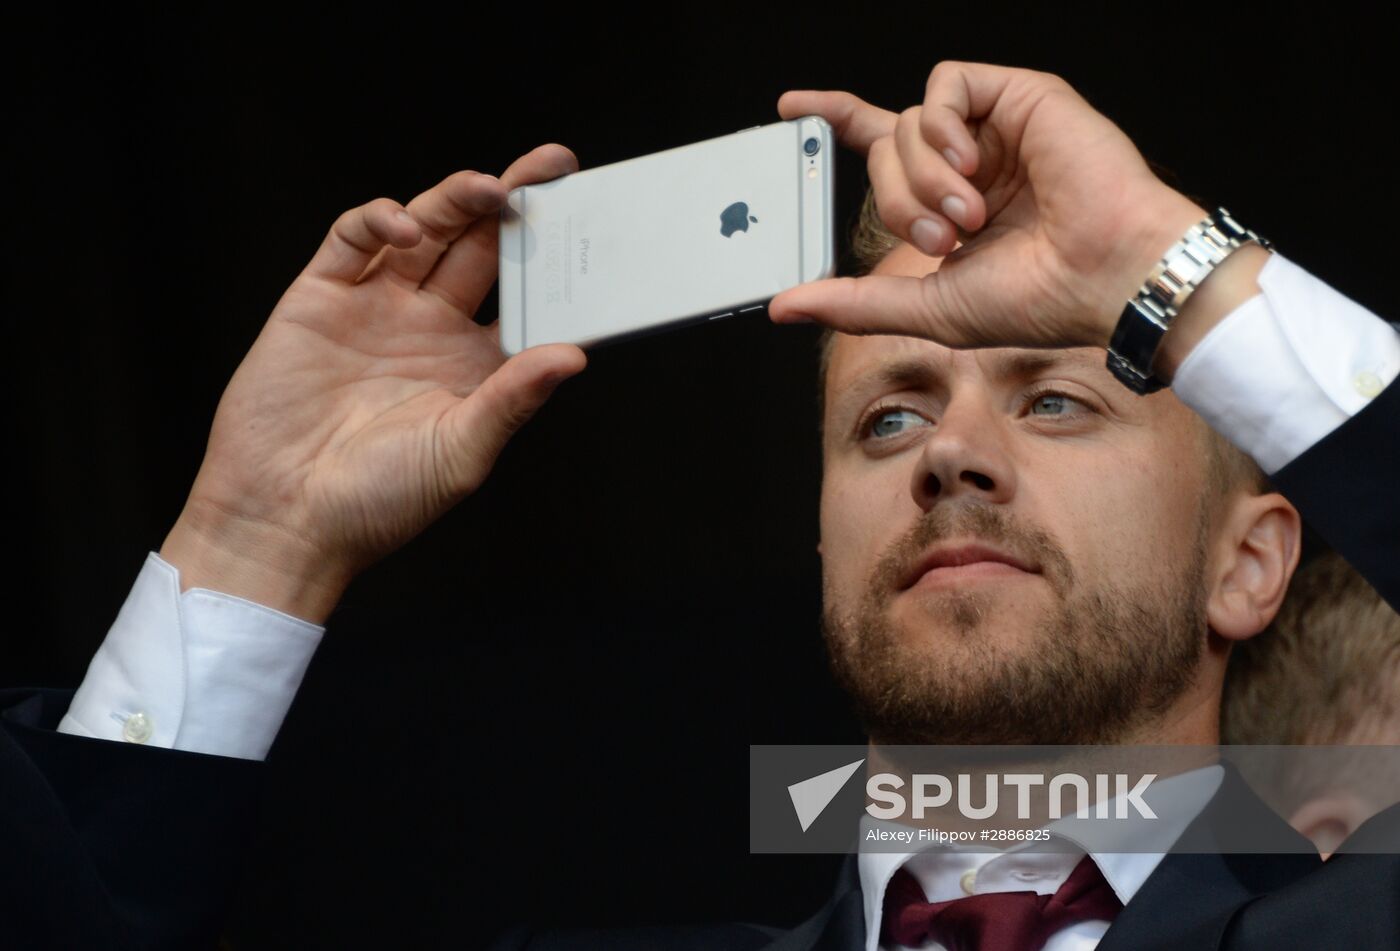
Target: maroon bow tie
(995,921)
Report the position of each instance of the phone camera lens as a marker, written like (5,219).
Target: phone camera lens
(812,146)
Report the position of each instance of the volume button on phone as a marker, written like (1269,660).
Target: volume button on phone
(726,314)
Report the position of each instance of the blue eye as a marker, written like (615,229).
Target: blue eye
(1054,404)
(877,427)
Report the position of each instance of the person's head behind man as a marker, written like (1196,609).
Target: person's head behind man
(1140,543)
(1326,672)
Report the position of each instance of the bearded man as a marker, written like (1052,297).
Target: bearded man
(1018,546)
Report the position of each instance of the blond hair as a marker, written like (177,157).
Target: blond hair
(1326,671)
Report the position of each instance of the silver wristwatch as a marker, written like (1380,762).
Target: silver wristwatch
(1148,315)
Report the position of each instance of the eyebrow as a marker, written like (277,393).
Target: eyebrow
(910,373)
(917,373)
(1025,363)
(907,373)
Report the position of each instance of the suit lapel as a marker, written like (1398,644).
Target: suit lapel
(1190,897)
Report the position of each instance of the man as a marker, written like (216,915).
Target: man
(1032,490)
(1115,660)
(1327,671)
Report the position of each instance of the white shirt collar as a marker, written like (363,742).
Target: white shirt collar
(1176,800)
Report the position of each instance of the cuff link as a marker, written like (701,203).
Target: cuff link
(137,728)
(1367,384)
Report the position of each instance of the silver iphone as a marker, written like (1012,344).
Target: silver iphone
(691,234)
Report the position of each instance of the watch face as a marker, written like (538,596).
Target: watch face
(1236,231)
(1129,376)
(1225,223)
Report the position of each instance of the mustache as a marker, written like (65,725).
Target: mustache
(977,521)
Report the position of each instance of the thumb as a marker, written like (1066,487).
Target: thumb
(875,304)
(474,432)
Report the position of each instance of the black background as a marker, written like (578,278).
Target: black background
(540,710)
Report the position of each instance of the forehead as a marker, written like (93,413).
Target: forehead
(849,357)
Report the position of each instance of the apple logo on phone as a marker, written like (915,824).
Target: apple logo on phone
(735,218)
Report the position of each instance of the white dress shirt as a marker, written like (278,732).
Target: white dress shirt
(213,673)
(198,670)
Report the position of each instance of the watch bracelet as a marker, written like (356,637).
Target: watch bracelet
(1149,314)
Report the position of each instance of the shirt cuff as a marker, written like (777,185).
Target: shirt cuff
(1288,366)
(199,670)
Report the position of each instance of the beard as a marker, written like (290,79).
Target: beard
(1106,659)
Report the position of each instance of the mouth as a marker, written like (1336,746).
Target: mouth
(956,564)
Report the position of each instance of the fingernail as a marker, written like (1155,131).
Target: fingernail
(955,208)
(953,158)
(403,216)
(928,235)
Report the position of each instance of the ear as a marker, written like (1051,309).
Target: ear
(1329,819)
(1259,541)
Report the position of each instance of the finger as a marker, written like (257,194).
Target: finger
(935,184)
(902,213)
(444,212)
(874,304)
(475,431)
(360,234)
(542,164)
(955,94)
(464,273)
(856,122)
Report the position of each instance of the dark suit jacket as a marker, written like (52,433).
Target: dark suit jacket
(107,845)
(110,845)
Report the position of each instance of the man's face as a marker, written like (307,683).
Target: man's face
(1013,544)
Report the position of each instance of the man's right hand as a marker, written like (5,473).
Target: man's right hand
(370,403)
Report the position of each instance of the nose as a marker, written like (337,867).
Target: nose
(965,455)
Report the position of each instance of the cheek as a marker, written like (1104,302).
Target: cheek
(860,518)
(1126,519)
